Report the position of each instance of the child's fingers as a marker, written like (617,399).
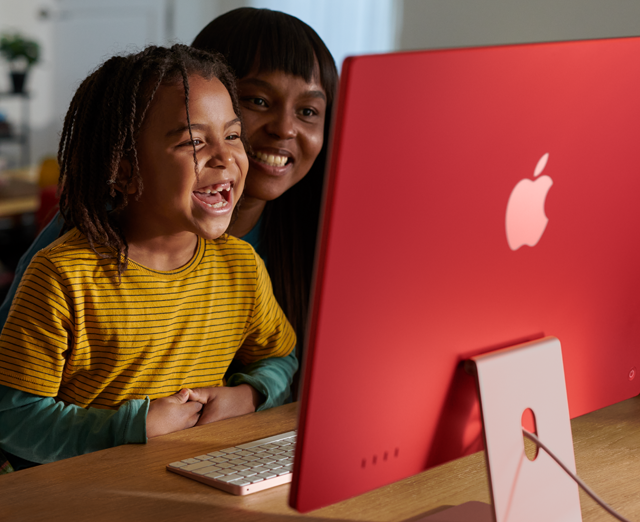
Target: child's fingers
(195,395)
(194,406)
(182,396)
(191,410)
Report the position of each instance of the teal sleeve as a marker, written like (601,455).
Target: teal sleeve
(41,429)
(48,235)
(271,377)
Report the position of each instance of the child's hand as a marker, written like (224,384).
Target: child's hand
(173,413)
(222,403)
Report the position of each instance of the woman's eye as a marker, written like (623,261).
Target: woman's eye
(260,102)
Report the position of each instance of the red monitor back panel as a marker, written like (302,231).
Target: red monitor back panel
(416,271)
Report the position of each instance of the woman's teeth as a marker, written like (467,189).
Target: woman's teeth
(271,159)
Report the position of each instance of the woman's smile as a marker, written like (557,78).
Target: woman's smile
(284,122)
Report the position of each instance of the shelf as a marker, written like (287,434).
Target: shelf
(19,131)
(11,94)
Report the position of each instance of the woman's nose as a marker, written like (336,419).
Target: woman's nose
(282,125)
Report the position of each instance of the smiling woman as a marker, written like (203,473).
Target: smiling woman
(287,84)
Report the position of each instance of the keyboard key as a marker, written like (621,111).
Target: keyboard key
(224,465)
(251,459)
(216,454)
(197,465)
(283,471)
(207,470)
(190,461)
(265,461)
(230,478)
(179,464)
(235,462)
(230,450)
(240,467)
(245,453)
(219,460)
(216,474)
(203,457)
(267,475)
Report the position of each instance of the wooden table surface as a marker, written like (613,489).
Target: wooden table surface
(131,482)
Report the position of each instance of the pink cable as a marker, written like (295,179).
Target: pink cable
(586,488)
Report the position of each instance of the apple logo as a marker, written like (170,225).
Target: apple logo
(525,219)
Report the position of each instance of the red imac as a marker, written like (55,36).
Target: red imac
(476,198)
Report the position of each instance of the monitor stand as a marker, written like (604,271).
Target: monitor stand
(526,377)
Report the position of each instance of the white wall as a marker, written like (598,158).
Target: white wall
(347,26)
(456,23)
(30,18)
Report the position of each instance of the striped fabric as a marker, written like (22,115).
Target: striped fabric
(75,334)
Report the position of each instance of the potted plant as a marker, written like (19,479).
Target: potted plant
(21,53)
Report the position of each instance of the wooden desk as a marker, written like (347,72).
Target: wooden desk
(131,483)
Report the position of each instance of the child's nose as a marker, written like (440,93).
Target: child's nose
(220,157)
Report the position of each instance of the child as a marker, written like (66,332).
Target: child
(123,328)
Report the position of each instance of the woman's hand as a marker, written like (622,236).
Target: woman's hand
(173,413)
(222,403)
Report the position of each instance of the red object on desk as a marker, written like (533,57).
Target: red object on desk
(418,269)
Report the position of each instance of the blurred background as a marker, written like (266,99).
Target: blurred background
(72,37)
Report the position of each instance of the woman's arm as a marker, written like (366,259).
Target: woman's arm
(42,429)
(48,235)
(271,377)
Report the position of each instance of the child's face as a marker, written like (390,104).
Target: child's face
(173,201)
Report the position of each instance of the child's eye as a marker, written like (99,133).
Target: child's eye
(233,137)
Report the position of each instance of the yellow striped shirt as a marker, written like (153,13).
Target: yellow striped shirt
(75,334)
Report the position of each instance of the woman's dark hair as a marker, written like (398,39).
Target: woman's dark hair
(101,129)
(266,41)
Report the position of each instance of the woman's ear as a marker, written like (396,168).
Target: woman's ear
(123,181)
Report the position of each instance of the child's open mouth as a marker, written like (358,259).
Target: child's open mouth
(215,196)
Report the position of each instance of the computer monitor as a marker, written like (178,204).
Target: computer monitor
(431,251)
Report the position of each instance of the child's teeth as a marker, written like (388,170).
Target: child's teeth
(219,204)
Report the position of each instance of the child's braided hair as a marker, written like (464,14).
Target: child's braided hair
(101,128)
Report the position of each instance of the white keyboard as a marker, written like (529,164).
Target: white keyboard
(245,468)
